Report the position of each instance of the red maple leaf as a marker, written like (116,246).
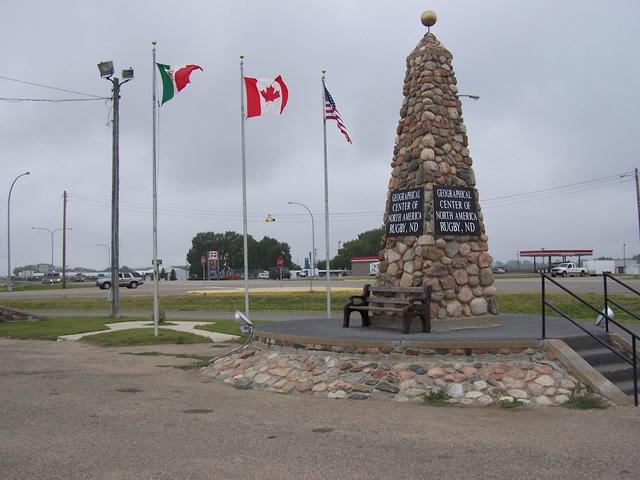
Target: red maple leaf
(270,94)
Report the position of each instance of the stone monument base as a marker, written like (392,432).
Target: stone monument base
(437,325)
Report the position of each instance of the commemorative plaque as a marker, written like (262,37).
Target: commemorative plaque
(405,212)
(455,211)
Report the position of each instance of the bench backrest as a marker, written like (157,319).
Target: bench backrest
(377,293)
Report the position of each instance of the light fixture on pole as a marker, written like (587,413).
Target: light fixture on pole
(472,97)
(269,219)
(313,244)
(106,72)
(51,232)
(9,230)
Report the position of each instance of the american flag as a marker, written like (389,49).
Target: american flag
(331,113)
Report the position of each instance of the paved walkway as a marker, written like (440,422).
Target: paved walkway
(188,327)
(514,327)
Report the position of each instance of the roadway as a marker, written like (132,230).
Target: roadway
(506,284)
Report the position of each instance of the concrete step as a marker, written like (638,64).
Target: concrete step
(627,387)
(600,356)
(617,372)
(585,342)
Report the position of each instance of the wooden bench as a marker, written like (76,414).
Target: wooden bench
(409,302)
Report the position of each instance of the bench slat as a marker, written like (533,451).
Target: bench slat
(403,301)
(377,309)
(374,288)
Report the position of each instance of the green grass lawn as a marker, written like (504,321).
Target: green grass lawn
(31,286)
(143,336)
(50,328)
(527,303)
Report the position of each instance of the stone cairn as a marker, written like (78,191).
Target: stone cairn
(431,150)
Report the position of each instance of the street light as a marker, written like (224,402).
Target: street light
(472,97)
(9,231)
(313,243)
(106,72)
(51,232)
(269,219)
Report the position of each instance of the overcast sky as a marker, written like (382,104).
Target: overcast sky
(559,105)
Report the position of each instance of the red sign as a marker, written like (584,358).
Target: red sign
(279,262)
(203,261)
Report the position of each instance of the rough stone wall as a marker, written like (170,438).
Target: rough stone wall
(431,148)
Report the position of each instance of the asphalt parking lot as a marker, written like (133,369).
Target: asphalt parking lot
(75,411)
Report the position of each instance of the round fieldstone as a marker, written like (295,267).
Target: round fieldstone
(393,269)
(392,256)
(542,400)
(461,277)
(478,306)
(454,309)
(427,154)
(455,390)
(451,249)
(545,381)
(465,295)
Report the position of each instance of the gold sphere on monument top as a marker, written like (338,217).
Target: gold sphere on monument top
(428,18)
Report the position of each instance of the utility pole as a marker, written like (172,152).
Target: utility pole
(638,197)
(64,240)
(106,72)
(115,200)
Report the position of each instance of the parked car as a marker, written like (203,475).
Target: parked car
(498,270)
(275,273)
(125,279)
(50,278)
(263,275)
(80,277)
(568,269)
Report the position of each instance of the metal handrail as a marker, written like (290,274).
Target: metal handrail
(605,314)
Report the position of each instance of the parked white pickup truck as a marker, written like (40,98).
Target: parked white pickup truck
(126,279)
(568,269)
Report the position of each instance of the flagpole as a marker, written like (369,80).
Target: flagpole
(326,198)
(156,306)
(244,192)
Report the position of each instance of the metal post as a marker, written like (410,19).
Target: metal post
(244,192)
(638,196)
(51,247)
(9,231)
(544,317)
(313,242)
(156,301)
(115,199)
(64,241)
(326,198)
(635,370)
(606,304)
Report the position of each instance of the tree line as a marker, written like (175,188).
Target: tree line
(263,253)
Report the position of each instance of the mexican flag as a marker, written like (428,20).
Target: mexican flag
(174,79)
(265,96)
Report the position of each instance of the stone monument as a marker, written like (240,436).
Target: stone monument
(435,232)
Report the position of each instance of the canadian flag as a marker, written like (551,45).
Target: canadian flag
(265,96)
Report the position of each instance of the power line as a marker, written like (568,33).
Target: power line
(50,87)
(52,100)
(504,200)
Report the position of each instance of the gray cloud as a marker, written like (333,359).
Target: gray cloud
(557,106)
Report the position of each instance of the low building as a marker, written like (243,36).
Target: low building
(364,266)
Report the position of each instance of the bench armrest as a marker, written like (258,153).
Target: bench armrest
(360,300)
